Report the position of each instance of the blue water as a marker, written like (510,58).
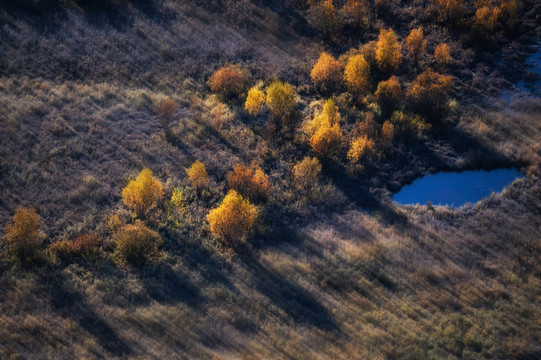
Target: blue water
(455,189)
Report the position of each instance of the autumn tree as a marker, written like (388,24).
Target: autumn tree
(442,55)
(136,243)
(450,11)
(229,81)
(429,92)
(254,101)
(388,52)
(356,13)
(329,114)
(359,148)
(251,181)
(322,17)
(233,219)
(84,246)
(197,173)
(416,43)
(387,133)
(368,126)
(389,93)
(282,101)
(326,139)
(306,173)
(357,75)
(326,73)
(23,235)
(142,193)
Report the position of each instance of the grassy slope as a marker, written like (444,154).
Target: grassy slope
(384,283)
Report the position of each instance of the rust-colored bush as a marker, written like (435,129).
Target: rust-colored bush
(450,11)
(368,126)
(388,52)
(387,133)
(251,182)
(166,113)
(357,75)
(233,220)
(84,246)
(326,73)
(228,81)
(136,244)
(197,173)
(356,13)
(389,93)
(142,193)
(429,92)
(23,238)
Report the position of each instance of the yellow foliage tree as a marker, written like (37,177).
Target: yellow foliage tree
(249,181)
(442,55)
(306,172)
(197,173)
(357,75)
(281,100)
(233,219)
(359,148)
(23,236)
(416,43)
(388,52)
(326,72)
(254,100)
(389,93)
(136,244)
(326,140)
(329,114)
(141,194)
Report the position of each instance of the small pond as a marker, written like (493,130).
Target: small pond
(455,188)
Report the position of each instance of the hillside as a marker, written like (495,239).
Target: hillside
(329,270)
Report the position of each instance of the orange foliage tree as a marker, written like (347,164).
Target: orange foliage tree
(326,72)
(166,114)
(326,139)
(388,52)
(249,181)
(142,193)
(233,219)
(281,101)
(85,246)
(228,81)
(360,147)
(442,55)
(357,75)
(416,43)
(389,93)
(23,236)
(387,133)
(429,92)
(254,101)
(197,173)
(136,243)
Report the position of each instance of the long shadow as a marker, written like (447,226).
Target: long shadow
(165,285)
(294,300)
(72,304)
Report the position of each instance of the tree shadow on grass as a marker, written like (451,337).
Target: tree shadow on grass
(70,303)
(298,303)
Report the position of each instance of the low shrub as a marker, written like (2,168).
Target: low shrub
(136,243)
